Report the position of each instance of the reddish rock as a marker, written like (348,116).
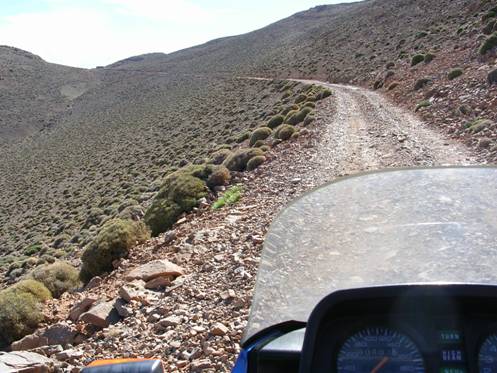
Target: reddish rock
(101,315)
(79,308)
(154,269)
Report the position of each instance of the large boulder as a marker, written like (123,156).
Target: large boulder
(154,269)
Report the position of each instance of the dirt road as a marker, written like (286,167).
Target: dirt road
(364,131)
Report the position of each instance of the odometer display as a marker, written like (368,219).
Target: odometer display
(379,350)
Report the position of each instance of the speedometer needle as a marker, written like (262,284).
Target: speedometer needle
(381,364)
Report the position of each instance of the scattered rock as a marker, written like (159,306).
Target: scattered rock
(101,315)
(29,342)
(25,362)
(121,307)
(158,283)
(79,308)
(135,291)
(219,329)
(68,355)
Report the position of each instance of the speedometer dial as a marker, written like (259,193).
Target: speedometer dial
(379,350)
(487,357)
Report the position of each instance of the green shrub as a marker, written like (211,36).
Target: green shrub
(231,196)
(309,119)
(220,176)
(219,156)
(300,98)
(420,83)
(58,277)
(113,242)
(489,44)
(255,162)
(429,57)
(238,160)
(288,109)
(284,132)
(296,117)
(454,73)
(422,104)
(258,144)
(32,249)
(275,121)
(310,104)
(478,125)
(20,314)
(418,58)
(260,134)
(265,148)
(33,287)
(244,136)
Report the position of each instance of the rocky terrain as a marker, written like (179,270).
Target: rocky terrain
(202,148)
(193,316)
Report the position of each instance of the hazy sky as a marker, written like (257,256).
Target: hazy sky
(87,33)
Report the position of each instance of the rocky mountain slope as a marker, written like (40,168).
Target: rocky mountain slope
(89,155)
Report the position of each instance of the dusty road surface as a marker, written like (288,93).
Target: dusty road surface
(363,131)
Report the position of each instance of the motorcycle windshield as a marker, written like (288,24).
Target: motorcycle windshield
(393,227)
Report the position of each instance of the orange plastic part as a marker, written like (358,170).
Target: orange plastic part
(117,361)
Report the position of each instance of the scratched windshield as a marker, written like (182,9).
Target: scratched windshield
(394,227)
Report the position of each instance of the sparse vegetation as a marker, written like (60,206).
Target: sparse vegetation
(276,121)
(255,162)
(58,277)
(114,241)
(220,176)
(422,104)
(489,44)
(454,73)
(219,156)
(416,59)
(420,83)
(231,196)
(238,160)
(35,288)
(429,57)
(478,125)
(284,132)
(296,117)
(261,133)
(244,136)
(20,314)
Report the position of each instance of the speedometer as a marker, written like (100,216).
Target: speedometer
(379,350)
(487,358)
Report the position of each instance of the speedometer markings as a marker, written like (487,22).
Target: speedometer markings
(379,350)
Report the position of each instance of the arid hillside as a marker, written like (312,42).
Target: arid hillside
(182,160)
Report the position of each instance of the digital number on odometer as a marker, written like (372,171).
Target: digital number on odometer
(379,349)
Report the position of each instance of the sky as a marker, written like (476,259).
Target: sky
(89,33)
